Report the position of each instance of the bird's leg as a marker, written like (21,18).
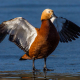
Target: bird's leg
(45,68)
(34,69)
(33,64)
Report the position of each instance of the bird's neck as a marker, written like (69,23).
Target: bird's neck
(47,27)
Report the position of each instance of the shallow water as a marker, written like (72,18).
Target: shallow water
(65,60)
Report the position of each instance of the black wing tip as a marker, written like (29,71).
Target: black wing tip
(3,32)
(66,41)
(71,30)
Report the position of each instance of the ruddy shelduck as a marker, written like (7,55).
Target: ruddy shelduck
(39,43)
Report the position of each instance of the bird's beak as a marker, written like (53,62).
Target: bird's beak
(53,15)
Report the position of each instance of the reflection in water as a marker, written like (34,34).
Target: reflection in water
(37,75)
(34,76)
(45,74)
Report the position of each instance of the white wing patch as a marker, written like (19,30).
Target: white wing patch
(58,23)
(21,32)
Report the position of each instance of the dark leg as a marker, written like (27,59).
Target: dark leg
(33,64)
(45,68)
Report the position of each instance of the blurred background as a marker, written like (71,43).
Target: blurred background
(64,60)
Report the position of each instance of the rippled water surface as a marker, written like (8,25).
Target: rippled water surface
(65,60)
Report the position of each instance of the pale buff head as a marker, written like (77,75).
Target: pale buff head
(46,14)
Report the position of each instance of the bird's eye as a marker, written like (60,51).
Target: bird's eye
(48,11)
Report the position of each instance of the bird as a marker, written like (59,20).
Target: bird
(38,43)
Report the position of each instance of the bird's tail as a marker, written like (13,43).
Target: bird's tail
(3,32)
(25,57)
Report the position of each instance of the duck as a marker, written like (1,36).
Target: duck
(38,43)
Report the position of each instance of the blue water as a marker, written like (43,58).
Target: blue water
(66,57)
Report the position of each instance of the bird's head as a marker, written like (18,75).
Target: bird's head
(47,14)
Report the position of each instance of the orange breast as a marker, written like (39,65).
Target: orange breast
(46,41)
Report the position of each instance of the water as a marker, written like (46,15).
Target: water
(65,60)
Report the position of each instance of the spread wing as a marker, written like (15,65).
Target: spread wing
(67,30)
(21,32)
